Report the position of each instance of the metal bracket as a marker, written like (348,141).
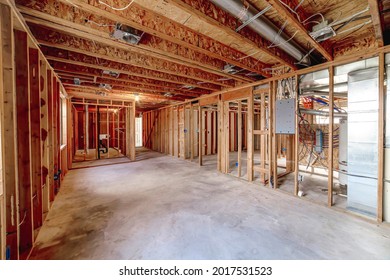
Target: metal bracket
(254,17)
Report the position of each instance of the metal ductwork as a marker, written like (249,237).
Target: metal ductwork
(263,27)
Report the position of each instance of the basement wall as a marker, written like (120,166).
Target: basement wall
(33,157)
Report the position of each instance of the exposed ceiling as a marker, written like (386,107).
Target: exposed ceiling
(172,50)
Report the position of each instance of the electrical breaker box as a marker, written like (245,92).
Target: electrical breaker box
(285,116)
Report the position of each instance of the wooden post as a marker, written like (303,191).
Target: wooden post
(192,144)
(250,127)
(226,134)
(270,130)
(263,137)
(178,131)
(35,134)
(274,136)
(239,131)
(96,132)
(8,133)
(132,132)
(330,140)
(381,133)
(200,140)
(26,238)
(107,131)
(296,146)
(220,134)
(86,134)
(85,116)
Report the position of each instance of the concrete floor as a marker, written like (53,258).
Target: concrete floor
(161,207)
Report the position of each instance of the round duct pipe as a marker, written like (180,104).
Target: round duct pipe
(263,27)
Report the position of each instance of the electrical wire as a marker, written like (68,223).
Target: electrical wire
(282,43)
(293,11)
(359,26)
(99,24)
(24,218)
(116,9)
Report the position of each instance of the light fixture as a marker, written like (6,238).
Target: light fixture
(136,95)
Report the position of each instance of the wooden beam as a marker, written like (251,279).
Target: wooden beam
(239,132)
(102,65)
(35,134)
(217,18)
(144,19)
(330,140)
(8,133)
(273,143)
(200,135)
(83,46)
(69,70)
(376,21)
(381,133)
(237,94)
(220,134)
(44,135)
(296,137)
(153,46)
(132,132)
(26,238)
(284,12)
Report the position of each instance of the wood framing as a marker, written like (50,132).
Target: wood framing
(26,237)
(330,140)
(381,132)
(377,22)
(8,132)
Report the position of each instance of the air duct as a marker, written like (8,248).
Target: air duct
(263,27)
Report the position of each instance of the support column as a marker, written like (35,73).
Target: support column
(330,140)
(381,133)
(296,139)
(8,133)
(239,136)
(250,127)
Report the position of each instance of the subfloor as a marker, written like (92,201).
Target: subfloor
(161,207)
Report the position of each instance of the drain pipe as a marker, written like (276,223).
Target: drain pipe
(263,27)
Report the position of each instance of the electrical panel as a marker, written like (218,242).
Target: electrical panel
(285,116)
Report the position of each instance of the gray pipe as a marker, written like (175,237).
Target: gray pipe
(263,27)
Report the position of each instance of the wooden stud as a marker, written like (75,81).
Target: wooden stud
(226,136)
(239,132)
(26,238)
(263,137)
(200,135)
(8,132)
(381,133)
(296,137)
(192,132)
(376,21)
(44,136)
(330,140)
(220,135)
(35,134)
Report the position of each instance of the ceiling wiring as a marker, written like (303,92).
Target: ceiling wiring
(114,8)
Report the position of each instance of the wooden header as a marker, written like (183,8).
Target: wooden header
(237,94)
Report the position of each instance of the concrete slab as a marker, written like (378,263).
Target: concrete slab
(161,207)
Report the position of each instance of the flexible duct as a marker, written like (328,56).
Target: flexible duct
(263,27)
